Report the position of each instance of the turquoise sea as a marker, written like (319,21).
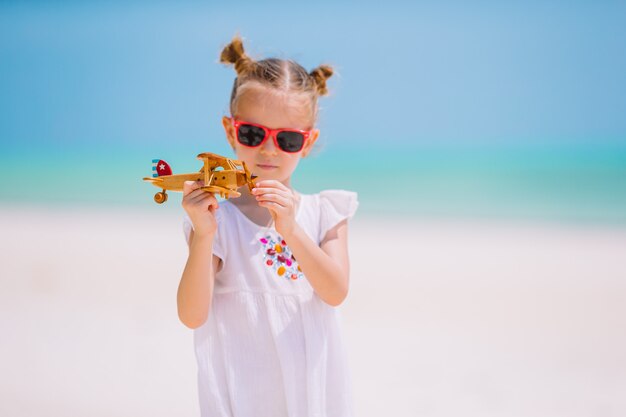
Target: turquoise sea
(91,92)
(580,183)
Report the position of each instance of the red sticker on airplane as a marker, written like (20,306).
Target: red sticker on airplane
(162,168)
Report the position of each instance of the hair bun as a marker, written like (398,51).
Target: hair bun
(320,75)
(233,53)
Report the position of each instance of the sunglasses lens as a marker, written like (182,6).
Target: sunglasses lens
(250,135)
(290,141)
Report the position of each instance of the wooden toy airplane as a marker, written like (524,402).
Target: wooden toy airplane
(220,175)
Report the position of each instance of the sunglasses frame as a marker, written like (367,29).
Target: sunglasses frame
(270,132)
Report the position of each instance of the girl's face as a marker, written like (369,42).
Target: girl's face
(267,107)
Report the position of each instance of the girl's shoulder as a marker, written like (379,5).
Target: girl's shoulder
(328,208)
(343,201)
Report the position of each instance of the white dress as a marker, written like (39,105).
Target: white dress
(270,346)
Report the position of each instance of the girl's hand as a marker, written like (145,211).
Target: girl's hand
(280,201)
(200,205)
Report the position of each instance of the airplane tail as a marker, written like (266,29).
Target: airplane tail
(160,167)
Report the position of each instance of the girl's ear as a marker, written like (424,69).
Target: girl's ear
(308,146)
(230,130)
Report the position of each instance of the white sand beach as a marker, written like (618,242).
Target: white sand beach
(444,318)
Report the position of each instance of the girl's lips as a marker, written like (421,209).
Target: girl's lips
(262,166)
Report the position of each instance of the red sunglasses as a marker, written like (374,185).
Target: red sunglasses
(253,135)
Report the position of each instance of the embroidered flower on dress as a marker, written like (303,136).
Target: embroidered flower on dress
(277,256)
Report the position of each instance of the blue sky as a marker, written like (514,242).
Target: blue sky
(74,74)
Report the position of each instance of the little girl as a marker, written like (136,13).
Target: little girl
(267,270)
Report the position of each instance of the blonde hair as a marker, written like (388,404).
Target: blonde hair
(285,76)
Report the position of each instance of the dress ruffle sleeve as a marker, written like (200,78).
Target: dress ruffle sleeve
(335,206)
(217,240)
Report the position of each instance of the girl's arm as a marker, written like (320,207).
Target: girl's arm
(196,284)
(327,267)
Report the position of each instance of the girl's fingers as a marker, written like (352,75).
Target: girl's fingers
(196,187)
(274,198)
(271,205)
(272,184)
(205,199)
(199,193)
(194,194)
(260,191)
(189,186)
(202,198)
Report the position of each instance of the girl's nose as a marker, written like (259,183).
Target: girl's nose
(268,147)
